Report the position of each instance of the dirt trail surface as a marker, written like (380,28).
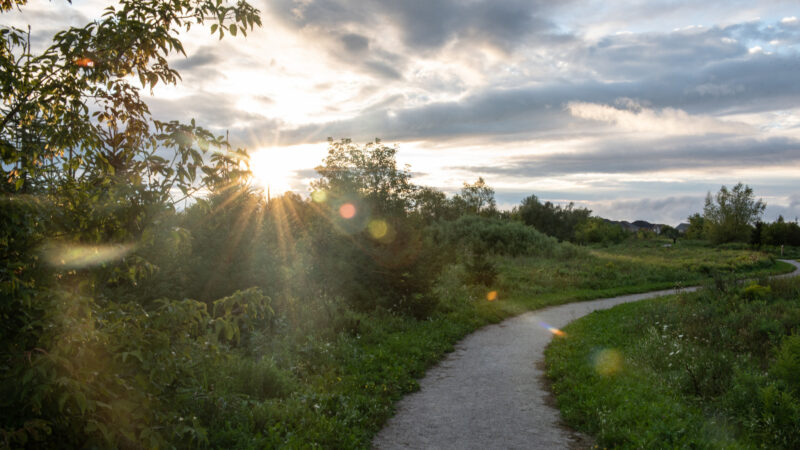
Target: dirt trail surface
(489,393)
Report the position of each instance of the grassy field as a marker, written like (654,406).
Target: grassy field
(335,386)
(713,369)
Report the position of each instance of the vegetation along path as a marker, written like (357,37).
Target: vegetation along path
(490,392)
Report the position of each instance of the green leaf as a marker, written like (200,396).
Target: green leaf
(62,399)
(232,29)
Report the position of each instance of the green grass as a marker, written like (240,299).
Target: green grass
(347,373)
(713,369)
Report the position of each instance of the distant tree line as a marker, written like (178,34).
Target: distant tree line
(734,215)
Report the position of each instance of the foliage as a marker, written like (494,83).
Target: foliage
(369,172)
(695,364)
(119,376)
(697,227)
(476,198)
(553,220)
(432,205)
(598,231)
(670,233)
(73,116)
(87,177)
(376,255)
(730,214)
(780,233)
(495,236)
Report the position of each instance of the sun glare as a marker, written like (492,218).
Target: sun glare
(273,169)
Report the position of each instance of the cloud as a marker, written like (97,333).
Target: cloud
(668,121)
(645,156)
(671,210)
(382,69)
(354,43)
(636,55)
(491,113)
(498,113)
(211,111)
(794,201)
(205,56)
(425,24)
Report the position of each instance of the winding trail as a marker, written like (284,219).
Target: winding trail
(490,392)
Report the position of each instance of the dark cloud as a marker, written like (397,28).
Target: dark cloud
(355,43)
(753,83)
(382,70)
(759,32)
(203,57)
(628,157)
(213,112)
(644,54)
(500,112)
(428,24)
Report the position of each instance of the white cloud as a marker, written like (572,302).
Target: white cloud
(791,19)
(667,121)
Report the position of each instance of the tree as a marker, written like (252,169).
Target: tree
(375,254)
(476,198)
(697,227)
(780,232)
(596,230)
(84,165)
(368,171)
(670,232)
(431,205)
(72,115)
(730,214)
(554,220)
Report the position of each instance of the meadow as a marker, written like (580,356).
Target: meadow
(350,380)
(712,369)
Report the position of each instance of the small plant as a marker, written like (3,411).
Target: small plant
(756,292)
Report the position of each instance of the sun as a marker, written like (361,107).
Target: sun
(273,169)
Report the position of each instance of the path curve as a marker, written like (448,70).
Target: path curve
(489,393)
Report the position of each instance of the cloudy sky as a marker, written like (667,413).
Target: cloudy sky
(633,109)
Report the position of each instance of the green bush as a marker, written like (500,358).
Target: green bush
(597,231)
(259,379)
(786,368)
(495,236)
(778,417)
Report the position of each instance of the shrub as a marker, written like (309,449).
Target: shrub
(598,231)
(786,368)
(493,236)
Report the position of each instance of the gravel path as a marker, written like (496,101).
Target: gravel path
(490,392)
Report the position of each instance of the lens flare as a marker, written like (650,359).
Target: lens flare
(608,362)
(552,329)
(84,62)
(319,196)
(378,229)
(77,256)
(347,211)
